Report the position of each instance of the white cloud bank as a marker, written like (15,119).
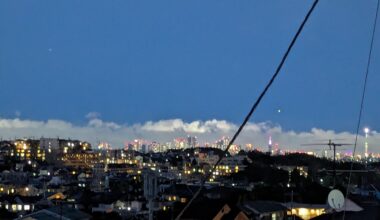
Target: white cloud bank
(166,130)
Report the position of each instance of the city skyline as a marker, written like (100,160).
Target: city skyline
(96,130)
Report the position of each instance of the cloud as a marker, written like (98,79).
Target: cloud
(92,115)
(96,130)
(17,124)
(192,127)
(98,123)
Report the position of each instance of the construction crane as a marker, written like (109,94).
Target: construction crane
(333,146)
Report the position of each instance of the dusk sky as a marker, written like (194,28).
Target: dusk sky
(141,63)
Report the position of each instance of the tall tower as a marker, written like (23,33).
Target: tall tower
(366,131)
(270,145)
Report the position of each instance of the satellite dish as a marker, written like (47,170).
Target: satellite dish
(336,199)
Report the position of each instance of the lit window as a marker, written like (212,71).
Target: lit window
(27,207)
(274,216)
(303,212)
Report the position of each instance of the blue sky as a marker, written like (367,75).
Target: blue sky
(138,61)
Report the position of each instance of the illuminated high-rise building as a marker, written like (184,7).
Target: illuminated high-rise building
(180,143)
(366,131)
(222,143)
(249,147)
(270,144)
(191,141)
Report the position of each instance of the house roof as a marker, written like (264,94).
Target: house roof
(115,166)
(41,215)
(203,209)
(232,214)
(106,197)
(350,206)
(20,199)
(181,190)
(305,205)
(260,207)
(69,212)
(56,212)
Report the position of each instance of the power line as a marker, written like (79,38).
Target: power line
(362,103)
(253,108)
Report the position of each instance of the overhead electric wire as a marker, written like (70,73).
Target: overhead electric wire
(253,108)
(362,103)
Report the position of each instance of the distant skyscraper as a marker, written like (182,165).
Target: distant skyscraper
(191,141)
(276,149)
(222,143)
(144,148)
(366,131)
(270,144)
(180,143)
(248,147)
(325,154)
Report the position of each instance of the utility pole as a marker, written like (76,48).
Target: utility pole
(334,164)
(291,208)
(150,189)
